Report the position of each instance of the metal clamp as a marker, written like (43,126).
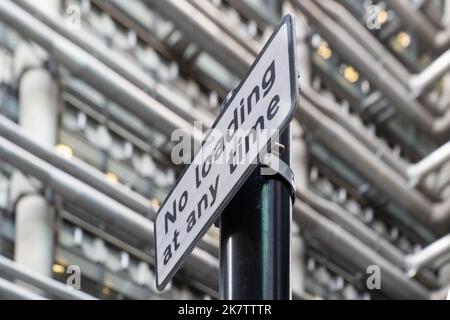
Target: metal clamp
(282,169)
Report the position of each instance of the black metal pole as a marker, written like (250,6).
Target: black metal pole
(255,231)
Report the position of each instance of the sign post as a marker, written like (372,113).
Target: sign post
(231,155)
(255,234)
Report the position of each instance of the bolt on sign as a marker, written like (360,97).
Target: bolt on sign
(259,108)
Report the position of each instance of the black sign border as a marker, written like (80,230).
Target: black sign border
(289,20)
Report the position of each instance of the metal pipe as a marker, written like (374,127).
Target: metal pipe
(44,283)
(234,31)
(400,166)
(126,18)
(138,77)
(443,39)
(428,254)
(393,281)
(328,208)
(336,213)
(76,168)
(380,244)
(343,144)
(431,73)
(414,172)
(439,125)
(380,150)
(119,64)
(338,12)
(104,208)
(341,41)
(254,12)
(360,135)
(442,294)
(442,181)
(374,47)
(75,191)
(352,151)
(139,204)
(422,27)
(116,88)
(414,20)
(440,214)
(38,115)
(418,82)
(9,290)
(303,51)
(204,32)
(84,173)
(298,268)
(31,159)
(430,163)
(94,72)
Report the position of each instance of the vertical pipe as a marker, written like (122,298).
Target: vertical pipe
(255,232)
(38,101)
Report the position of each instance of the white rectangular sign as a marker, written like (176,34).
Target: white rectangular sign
(261,106)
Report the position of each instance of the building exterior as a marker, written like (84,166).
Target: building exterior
(91,91)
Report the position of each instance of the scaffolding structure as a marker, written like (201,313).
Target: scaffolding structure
(92,90)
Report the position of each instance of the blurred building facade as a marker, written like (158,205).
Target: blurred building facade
(91,90)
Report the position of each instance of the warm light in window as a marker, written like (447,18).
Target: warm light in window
(155,203)
(404,39)
(383,16)
(111,177)
(106,291)
(64,150)
(57,268)
(324,51)
(351,74)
